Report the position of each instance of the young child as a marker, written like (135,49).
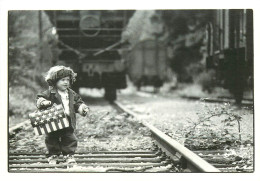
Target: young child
(64,141)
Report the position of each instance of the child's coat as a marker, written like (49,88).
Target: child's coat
(75,102)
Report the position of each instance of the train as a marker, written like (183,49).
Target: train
(229,35)
(81,35)
(147,63)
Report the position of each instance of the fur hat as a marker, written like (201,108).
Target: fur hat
(58,72)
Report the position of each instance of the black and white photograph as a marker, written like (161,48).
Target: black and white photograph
(131,91)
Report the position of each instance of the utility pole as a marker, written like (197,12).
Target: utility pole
(40,35)
(39,59)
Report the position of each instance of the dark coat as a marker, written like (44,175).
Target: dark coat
(74,102)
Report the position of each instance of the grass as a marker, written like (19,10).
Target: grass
(21,103)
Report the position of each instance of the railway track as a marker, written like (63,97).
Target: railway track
(101,161)
(169,156)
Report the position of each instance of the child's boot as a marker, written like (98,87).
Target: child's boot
(69,159)
(53,159)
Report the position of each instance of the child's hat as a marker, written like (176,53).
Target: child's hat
(58,72)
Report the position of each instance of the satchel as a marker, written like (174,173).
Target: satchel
(49,120)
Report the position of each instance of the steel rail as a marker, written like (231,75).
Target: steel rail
(189,160)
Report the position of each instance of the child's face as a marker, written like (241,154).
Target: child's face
(63,83)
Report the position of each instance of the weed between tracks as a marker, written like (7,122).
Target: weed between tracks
(218,127)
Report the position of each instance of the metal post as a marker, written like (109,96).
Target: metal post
(40,35)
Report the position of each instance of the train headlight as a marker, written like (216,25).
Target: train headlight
(90,25)
(54,31)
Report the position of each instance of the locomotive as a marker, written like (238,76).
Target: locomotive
(81,34)
(147,63)
(229,35)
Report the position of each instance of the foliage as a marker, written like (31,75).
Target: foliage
(185,21)
(187,41)
(203,134)
(21,103)
(21,61)
(29,56)
(21,100)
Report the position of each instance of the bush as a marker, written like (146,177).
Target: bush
(21,101)
(216,129)
(28,56)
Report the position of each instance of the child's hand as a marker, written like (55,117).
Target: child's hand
(85,110)
(45,103)
(42,103)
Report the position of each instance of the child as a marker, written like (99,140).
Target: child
(62,141)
